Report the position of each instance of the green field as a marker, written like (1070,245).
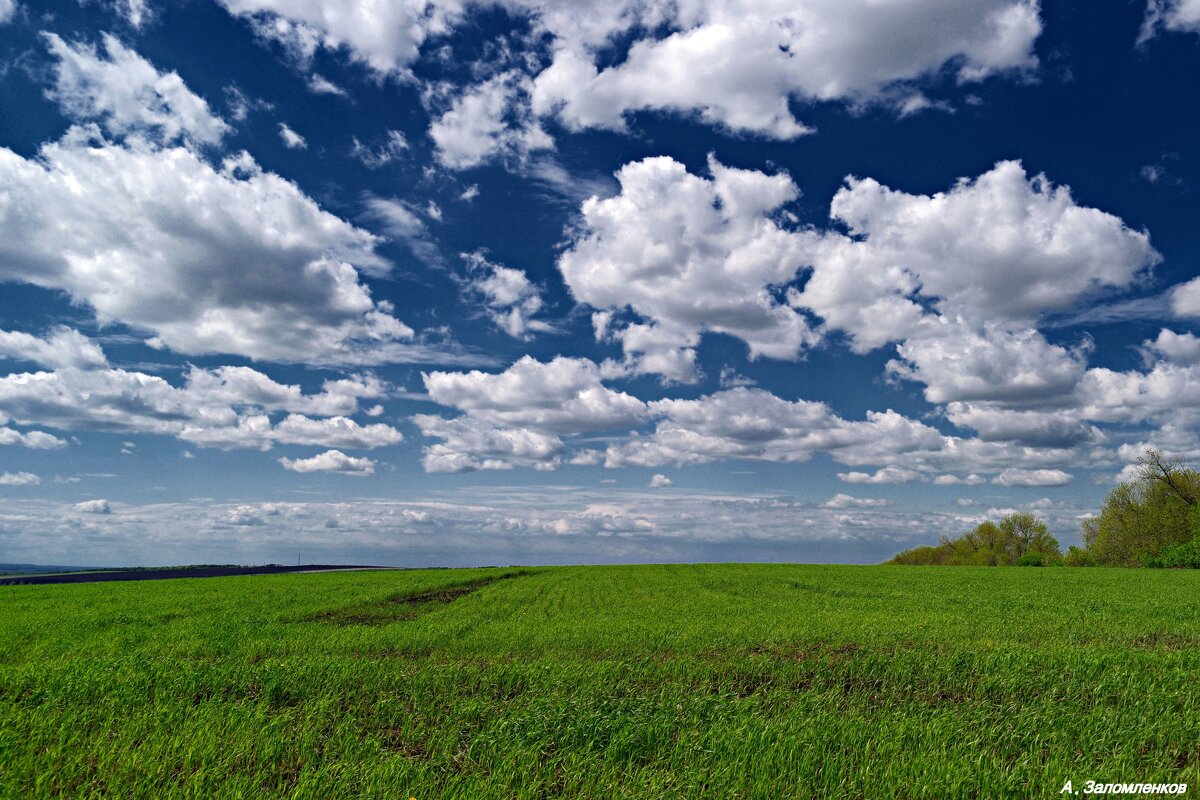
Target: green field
(713,681)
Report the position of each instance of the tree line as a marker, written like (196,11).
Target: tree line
(1150,521)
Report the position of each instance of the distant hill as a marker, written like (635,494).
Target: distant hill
(21,569)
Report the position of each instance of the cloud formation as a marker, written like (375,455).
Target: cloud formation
(127,94)
(222,282)
(334,461)
(688,255)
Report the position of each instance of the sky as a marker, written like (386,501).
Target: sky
(444,283)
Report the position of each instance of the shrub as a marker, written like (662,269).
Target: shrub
(1079,557)
(1185,555)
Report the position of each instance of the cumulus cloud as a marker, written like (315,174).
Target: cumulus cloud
(189,284)
(291,139)
(888,474)
(755,424)
(489,119)
(35,440)
(385,36)
(516,417)
(956,361)
(956,480)
(660,481)
(1185,299)
(470,444)
(523,416)
(561,396)
(738,64)
(1055,428)
(1177,348)
(688,255)
(331,461)
(19,479)
(93,507)
(128,95)
(8,10)
(958,279)
(512,301)
(62,347)
(1032,477)
(227,407)
(1001,249)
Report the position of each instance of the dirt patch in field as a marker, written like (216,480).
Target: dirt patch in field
(399,608)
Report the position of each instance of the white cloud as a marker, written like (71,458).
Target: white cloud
(35,440)
(340,432)
(102,222)
(488,119)
(93,507)
(561,396)
(8,10)
(331,461)
(1185,299)
(847,501)
(755,424)
(291,139)
(1132,396)
(1172,15)
(391,148)
(955,480)
(516,417)
(240,105)
(318,84)
(956,361)
(888,474)
(1053,428)
(19,479)
(62,347)
(737,64)
(512,301)
(660,481)
(689,255)
(386,36)
(470,444)
(256,431)
(399,220)
(998,250)
(1032,477)
(227,407)
(135,12)
(1177,348)
(128,95)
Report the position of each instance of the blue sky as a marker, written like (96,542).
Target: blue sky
(448,283)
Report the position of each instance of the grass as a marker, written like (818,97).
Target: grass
(722,681)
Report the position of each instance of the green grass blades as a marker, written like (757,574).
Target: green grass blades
(707,681)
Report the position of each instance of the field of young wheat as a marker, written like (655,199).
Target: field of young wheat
(721,681)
